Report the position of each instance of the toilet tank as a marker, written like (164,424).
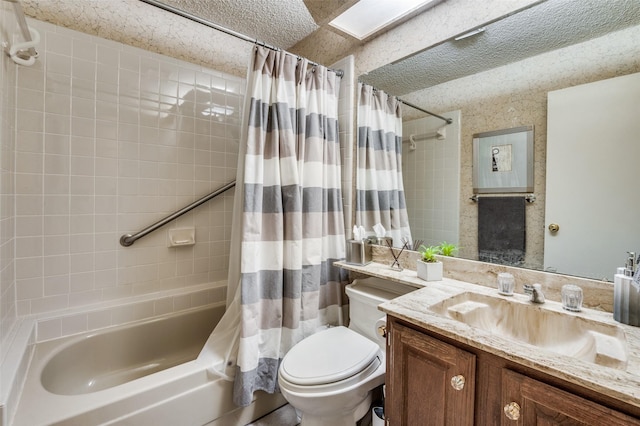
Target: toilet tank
(364,297)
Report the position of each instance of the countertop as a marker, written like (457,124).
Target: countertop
(621,383)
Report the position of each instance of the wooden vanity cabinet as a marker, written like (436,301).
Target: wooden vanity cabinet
(542,404)
(429,382)
(433,381)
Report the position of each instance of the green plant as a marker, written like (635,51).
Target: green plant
(447,249)
(428,254)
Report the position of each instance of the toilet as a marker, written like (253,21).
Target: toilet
(329,376)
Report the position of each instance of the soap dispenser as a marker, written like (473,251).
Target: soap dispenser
(626,292)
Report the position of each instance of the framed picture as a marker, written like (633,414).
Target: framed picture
(503,161)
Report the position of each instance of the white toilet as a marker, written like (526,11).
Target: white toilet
(329,376)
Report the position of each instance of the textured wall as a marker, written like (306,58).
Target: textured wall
(516,95)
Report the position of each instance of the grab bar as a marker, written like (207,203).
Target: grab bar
(128,239)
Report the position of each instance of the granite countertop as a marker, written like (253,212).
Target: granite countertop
(418,307)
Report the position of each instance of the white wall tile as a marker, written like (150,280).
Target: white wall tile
(111,143)
(49,329)
(432,198)
(98,319)
(73,324)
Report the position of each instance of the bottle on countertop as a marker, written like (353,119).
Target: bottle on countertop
(626,292)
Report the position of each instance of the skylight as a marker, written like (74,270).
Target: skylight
(367,17)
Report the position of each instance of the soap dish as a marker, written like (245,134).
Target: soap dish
(178,237)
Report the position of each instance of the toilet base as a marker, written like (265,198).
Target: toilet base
(346,419)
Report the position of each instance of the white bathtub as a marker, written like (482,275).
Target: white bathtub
(139,374)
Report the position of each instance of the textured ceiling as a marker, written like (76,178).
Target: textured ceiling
(280,23)
(323,11)
(544,27)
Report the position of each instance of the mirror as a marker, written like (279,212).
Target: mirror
(495,77)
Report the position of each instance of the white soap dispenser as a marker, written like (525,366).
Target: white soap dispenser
(626,292)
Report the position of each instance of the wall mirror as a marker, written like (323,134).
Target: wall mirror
(498,76)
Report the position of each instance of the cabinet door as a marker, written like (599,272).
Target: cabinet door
(542,404)
(428,382)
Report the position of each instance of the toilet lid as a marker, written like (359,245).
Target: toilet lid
(328,356)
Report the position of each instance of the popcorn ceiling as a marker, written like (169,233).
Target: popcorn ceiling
(279,23)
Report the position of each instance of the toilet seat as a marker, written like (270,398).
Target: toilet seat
(337,354)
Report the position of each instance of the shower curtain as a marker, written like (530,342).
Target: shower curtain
(379,186)
(292,225)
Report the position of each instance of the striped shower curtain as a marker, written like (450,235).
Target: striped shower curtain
(292,221)
(379,186)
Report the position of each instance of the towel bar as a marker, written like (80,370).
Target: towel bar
(529,198)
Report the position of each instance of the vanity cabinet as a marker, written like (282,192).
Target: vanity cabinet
(429,382)
(532,402)
(432,380)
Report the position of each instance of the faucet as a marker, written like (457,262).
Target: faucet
(535,293)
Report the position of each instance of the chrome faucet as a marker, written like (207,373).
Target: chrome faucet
(535,293)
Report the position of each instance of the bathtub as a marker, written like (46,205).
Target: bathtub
(144,373)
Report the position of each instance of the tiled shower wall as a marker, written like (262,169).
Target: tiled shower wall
(7,146)
(110,139)
(346,116)
(431,175)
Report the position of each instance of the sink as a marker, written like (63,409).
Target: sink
(560,332)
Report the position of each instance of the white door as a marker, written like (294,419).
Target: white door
(593,177)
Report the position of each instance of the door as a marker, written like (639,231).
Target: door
(593,172)
(429,382)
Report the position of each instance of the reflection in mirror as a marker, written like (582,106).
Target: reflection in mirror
(593,128)
(380,199)
(503,161)
(510,95)
(542,27)
(431,170)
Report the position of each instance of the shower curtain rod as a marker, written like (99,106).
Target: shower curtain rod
(448,120)
(210,24)
(26,34)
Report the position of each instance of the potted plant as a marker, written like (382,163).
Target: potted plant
(428,266)
(447,249)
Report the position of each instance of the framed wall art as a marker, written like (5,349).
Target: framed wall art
(503,161)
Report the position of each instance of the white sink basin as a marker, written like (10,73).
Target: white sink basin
(559,332)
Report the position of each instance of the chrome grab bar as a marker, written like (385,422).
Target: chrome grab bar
(128,239)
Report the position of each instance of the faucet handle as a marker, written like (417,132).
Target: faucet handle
(571,297)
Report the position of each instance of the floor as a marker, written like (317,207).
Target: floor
(286,416)
(283,416)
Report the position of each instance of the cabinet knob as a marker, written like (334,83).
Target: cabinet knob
(382,331)
(512,411)
(554,227)
(457,382)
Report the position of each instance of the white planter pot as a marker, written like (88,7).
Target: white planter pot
(431,271)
